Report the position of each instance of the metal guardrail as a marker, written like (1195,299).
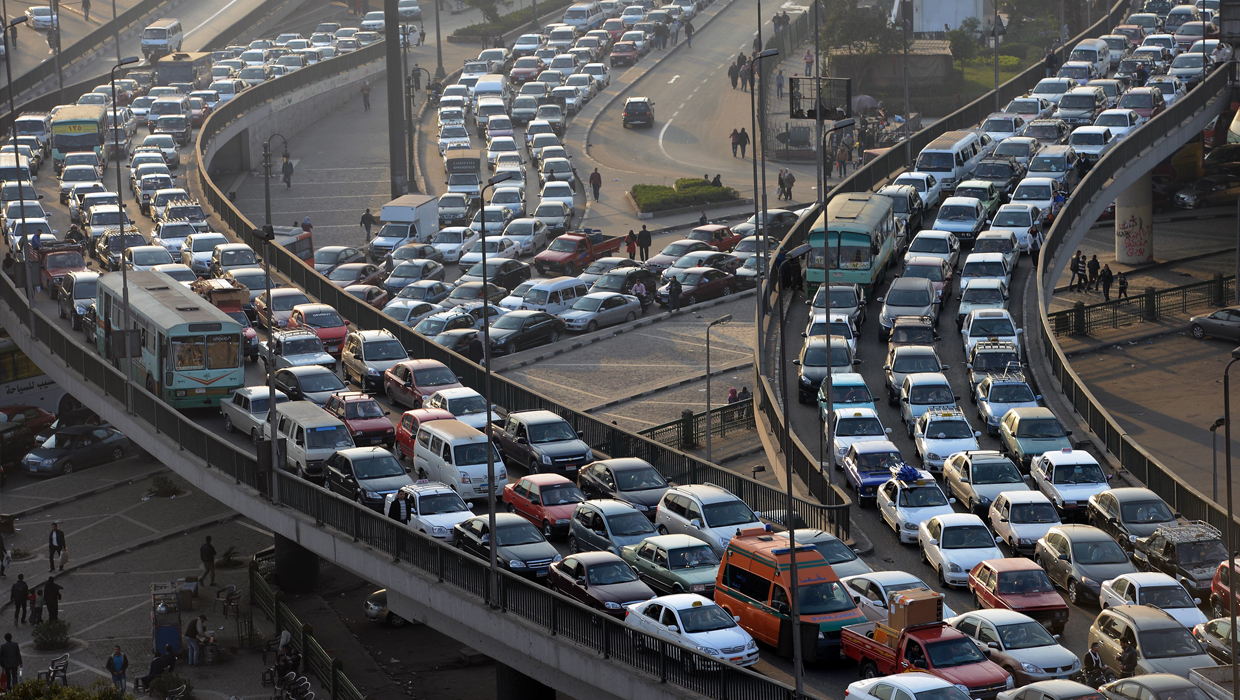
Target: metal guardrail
(1156,476)
(1150,305)
(690,429)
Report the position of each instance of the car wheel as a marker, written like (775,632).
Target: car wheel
(1217,606)
(1073,596)
(555,337)
(922,551)
(394,620)
(591,327)
(630,317)
(546,529)
(66,468)
(510,348)
(255,437)
(662,530)
(228,424)
(60,310)
(1198,332)
(870,670)
(510,508)
(691,300)
(390,396)
(943,579)
(977,602)
(572,545)
(727,291)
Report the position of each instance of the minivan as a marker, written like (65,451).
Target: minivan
(492,85)
(554,296)
(1095,51)
(450,452)
(951,157)
(584,16)
(708,512)
(607,525)
(311,435)
(162,38)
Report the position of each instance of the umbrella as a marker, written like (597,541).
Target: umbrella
(861,103)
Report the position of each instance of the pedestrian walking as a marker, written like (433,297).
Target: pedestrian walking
(366,95)
(55,546)
(10,660)
(779,84)
(742,140)
(746,74)
(596,183)
(734,72)
(5,558)
(1072,266)
(1035,245)
(842,156)
(421,36)
(14,36)
(702,220)
(86,10)
(809,63)
(399,510)
(673,295)
(306,225)
(1093,266)
(51,598)
(1049,63)
(735,137)
(789,180)
(368,220)
(1105,278)
(116,665)
(689,33)
(630,244)
(643,243)
(779,184)
(19,595)
(206,554)
(287,171)
(675,32)
(1121,283)
(194,634)
(1082,274)
(475,351)
(36,606)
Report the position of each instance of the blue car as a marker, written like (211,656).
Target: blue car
(429,291)
(848,391)
(870,464)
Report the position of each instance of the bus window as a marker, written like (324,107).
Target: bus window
(189,353)
(223,351)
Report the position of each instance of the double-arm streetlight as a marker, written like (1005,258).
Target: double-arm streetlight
(712,324)
(410,102)
(120,205)
(27,257)
(1231,568)
(268,234)
(759,214)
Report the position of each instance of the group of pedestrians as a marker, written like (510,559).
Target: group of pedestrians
(1089,274)
(740,140)
(638,243)
(781,22)
(784,185)
(742,71)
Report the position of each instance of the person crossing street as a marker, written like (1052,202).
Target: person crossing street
(596,183)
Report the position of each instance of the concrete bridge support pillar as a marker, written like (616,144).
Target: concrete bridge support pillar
(514,685)
(1134,222)
(296,566)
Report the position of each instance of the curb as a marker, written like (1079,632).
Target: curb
(613,332)
(665,387)
(91,492)
(731,458)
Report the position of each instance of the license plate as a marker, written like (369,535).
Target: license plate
(34,469)
(540,572)
(483,487)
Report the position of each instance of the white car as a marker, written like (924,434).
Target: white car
(1091,142)
(938,435)
(410,312)
(557,192)
(977,477)
(934,244)
(983,266)
(452,241)
(1002,125)
(433,508)
(954,544)
(1051,89)
(1155,589)
(695,622)
(373,22)
(915,684)
(1021,518)
(1030,108)
(1019,218)
(451,116)
(246,409)
(495,248)
(994,325)
(197,249)
(1170,86)
(498,145)
(1119,121)
(528,233)
(1068,477)
(466,404)
(853,425)
(1022,639)
(927,185)
(838,324)
(870,591)
(905,502)
(453,136)
(511,197)
(495,216)
(599,72)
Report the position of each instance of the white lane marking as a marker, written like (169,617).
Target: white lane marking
(682,106)
(208,20)
(674,77)
(661,133)
(705,80)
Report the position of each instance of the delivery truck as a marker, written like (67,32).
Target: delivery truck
(411,218)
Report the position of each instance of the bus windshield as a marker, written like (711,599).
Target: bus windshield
(848,251)
(206,352)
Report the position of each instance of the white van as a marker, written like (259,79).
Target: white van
(489,107)
(312,435)
(1095,51)
(162,38)
(584,16)
(555,296)
(455,454)
(951,157)
(492,85)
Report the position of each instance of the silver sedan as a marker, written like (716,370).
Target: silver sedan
(600,309)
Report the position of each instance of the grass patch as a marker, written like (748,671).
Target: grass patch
(688,192)
(513,20)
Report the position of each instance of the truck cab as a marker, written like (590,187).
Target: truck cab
(411,218)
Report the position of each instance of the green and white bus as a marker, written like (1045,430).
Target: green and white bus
(192,353)
(77,128)
(855,239)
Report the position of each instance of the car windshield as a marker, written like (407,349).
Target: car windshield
(301,346)
(1112,120)
(1195,554)
(993,245)
(1078,474)
(728,513)
(908,297)
(551,432)
(430,326)
(931,394)
(949,429)
(1025,635)
(979,193)
(518,534)
(467,405)
(1035,192)
(991,326)
(855,427)
(1023,107)
(384,350)
(473,453)
(994,361)
(993,171)
(816,356)
(1098,552)
(1188,60)
(1136,100)
(695,557)
(706,618)
(561,494)
(1003,126)
(922,497)
(878,462)
(328,436)
(363,409)
(1088,138)
(1028,513)
(611,572)
(958,212)
(1024,582)
(1016,148)
(1011,393)
(966,537)
(629,524)
(1168,643)
(934,273)
(321,381)
(1077,101)
(60,441)
(927,244)
(1173,596)
(954,652)
(440,503)
(824,598)
(641,479)
(379,466)
(949,692)
(1138,512)
(850,393)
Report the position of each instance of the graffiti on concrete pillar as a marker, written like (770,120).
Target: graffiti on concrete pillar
(1134,236)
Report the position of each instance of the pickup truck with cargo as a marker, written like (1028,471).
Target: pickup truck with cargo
(542,442)
(572,253)
(231,297)
(57,260)
(935,648)
(411,218)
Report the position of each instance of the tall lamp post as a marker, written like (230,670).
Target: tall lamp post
(1231,519)
(712,324)
(486,358)
(269,233)
(765,257)
(11,29)
(411,103)
(439,71)
(124,234)
(1218,423)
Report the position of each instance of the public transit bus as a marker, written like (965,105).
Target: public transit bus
(77,128)
(855,239)
(22,383)
(192,353)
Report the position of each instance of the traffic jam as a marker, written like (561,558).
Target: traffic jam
(1030,532)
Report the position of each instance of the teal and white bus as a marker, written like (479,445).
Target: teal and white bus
(855,239)
(192,353)
(78,128)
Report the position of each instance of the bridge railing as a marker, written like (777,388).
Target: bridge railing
(1149,305)
(1156,476)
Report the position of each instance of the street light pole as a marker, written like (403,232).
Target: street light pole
(439,71)
(268,235)
(764,263)
(1231,522)
(124,235)
(27,254)
(712,324)
(1218,423)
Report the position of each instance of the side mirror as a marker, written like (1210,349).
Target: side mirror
(1038,397)
(469,505)
(535,501)
(797,363)
(581,435)
(887,430)
(582,582)
(977,433)
(858,361)
(1064,557)
(1019,331)
(673,628)
(998,540)
(992,645)
(951,500)
(934,542)
(946,367)
(736,618)
(695,522)
(904,400)
(886,368)
(522,441)
(919,664)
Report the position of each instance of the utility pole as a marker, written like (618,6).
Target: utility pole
(822,180)
(398,168)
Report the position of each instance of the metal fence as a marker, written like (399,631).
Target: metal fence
(690,429)
(1144,466)
(1150,305)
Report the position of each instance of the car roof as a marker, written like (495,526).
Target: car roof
(1082,532)
(1133,493)
(959,519)
(924,260)
(1012,564)
(875,446)
(1151,578)
(1145,616)
(545,479)
(1069,456)
(1033,412)
(707,493)
(855,413)
(983,257)
(927,378)
(1000,616)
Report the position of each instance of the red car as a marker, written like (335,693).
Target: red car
(407,429)
(56,261)
(615,27)
(34,417)
(526,68)
(408,383)
(1019,584)
(1147,102)
(700,284)
(198,111)
(547,500)
(324,321)
(624,53)
(369,293)
(719,237)
(364,418)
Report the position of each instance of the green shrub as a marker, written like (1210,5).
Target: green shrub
(167,682)
(1015,49)
(51,635)
(228,559)
(511,21)
(652,198)
(687,184)
(100,689)
(163,487)
(1008,62)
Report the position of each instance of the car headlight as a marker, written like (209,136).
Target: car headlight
(1092,584)
(558,558)
(697,588)
(1132,539)
(611,606)
(955,568)
(373,372)
(503,474)
(516,564)
(641,508)
(1026,541)
(1011,682)
(933,455)
(546,459)
(709,651)
(806,380)
(910,526)
(465,478)
(562,521)
(963,688)
(1030,668)
(439,530)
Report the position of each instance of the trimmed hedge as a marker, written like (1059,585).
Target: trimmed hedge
(688,192)
(512,20)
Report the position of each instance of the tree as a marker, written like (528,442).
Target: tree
(858,34)
(489,8)
(964,45)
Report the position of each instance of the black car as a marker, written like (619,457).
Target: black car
(1127,70)
(638,111)
(70,419)
(1215,636)
(1127,514)
(1049,132)
(457,339)
(330,257)
(1223,159)
(311,383)
(75,448)
(1005,173)
(909,209)
(1187,552)
(521,547)
(506,273)
(520,330)
(110,245)
(621,281)
(366,475)
(627,479)
(778,223)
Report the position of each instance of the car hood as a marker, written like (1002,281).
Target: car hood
(1105,572)
(318,358)
(41,453)
(628,592)
(380,424)
(447,520)
(1031,531)
(920,515)
(578,314)
(985,673)
(943,448)
(1033,601)
(320,397)
(662,260)
(1179,665)
(477,420)
(1049,656)
(528,552)
(646,497)
(1079,492)
(1189,617)
(385,485)
(1000,409)
(719,639)
(969,558)
(992,491)
(1036,446)
(562,448)
(499,335)
(851,568)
